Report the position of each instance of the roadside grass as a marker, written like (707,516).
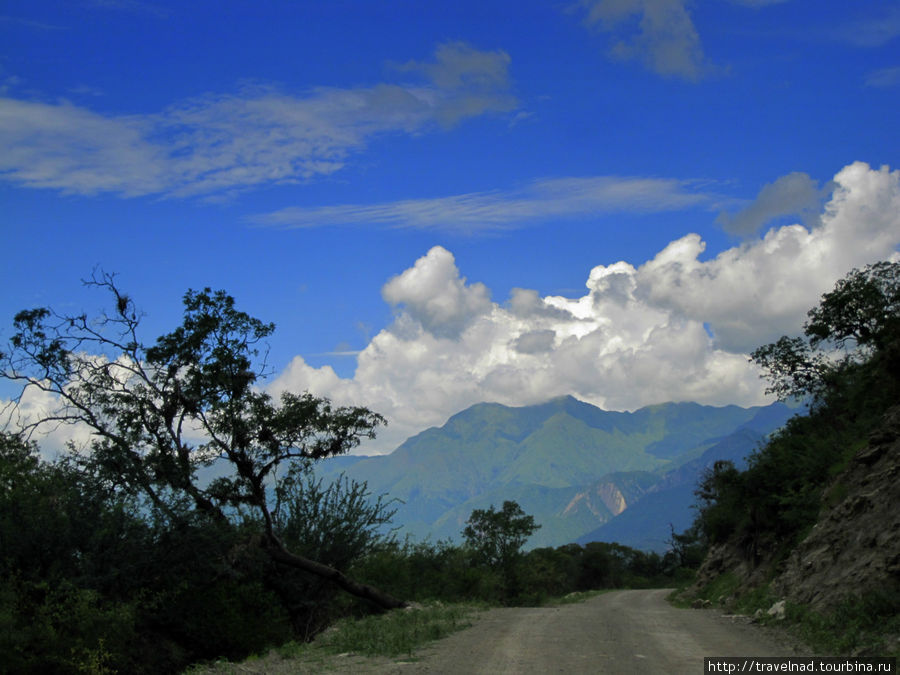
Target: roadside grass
(401,632)
(862,626)
(723,587)
(393,633)
(867,625)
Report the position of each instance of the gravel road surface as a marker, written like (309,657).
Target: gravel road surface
(623,632)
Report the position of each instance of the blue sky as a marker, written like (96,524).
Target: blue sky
(443,203)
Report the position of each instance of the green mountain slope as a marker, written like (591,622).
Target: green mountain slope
(571,465)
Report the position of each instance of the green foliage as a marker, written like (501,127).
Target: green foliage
(719,506)
(689,548)
(767,508)
(856,626)
(334,523)
(337,524)
(497,537)
(425,572)
(861,316)
(721,588)
(89,582)
(121,556)
(863,308)
(145,404)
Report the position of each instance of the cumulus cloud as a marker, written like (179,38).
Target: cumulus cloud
(436,297)
(220,142)
(775,280)
(676,327)
(672,328)
(793,194)
(660,33)
(34,405)
(535,342)
(567,197)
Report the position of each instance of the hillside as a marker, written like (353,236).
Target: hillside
(841,580)
(571,465)
(856,541)
(669,502)
(812,522)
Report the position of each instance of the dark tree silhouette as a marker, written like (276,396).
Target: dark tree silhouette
(159,414)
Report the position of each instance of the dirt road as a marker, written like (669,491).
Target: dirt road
(621,632)
(629,632)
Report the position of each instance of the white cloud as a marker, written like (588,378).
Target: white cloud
(753,293)
(660,33)
(478,211)
(535,342)
(34,405)
(637,336)
(434,295)
(673,328)
(220,142)
(66,147)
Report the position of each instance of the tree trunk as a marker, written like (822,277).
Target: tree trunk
(280,554)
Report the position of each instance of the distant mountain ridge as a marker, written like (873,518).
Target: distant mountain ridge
(575,467)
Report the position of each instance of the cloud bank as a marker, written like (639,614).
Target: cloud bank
(673,328)
(217,143)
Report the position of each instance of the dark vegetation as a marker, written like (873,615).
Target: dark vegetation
(847,367)
(96,581)
(191,527)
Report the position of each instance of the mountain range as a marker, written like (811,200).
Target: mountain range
(584,473)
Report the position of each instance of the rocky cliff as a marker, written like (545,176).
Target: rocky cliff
(854,547)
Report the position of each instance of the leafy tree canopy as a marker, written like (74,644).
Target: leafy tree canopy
(160,413)
(498,536)
(857,321)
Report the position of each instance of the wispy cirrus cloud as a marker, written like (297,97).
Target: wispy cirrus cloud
(216,143)
(873,30)
(30,23)
(758,3)
(885,77)
(131,6)
(569,197)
